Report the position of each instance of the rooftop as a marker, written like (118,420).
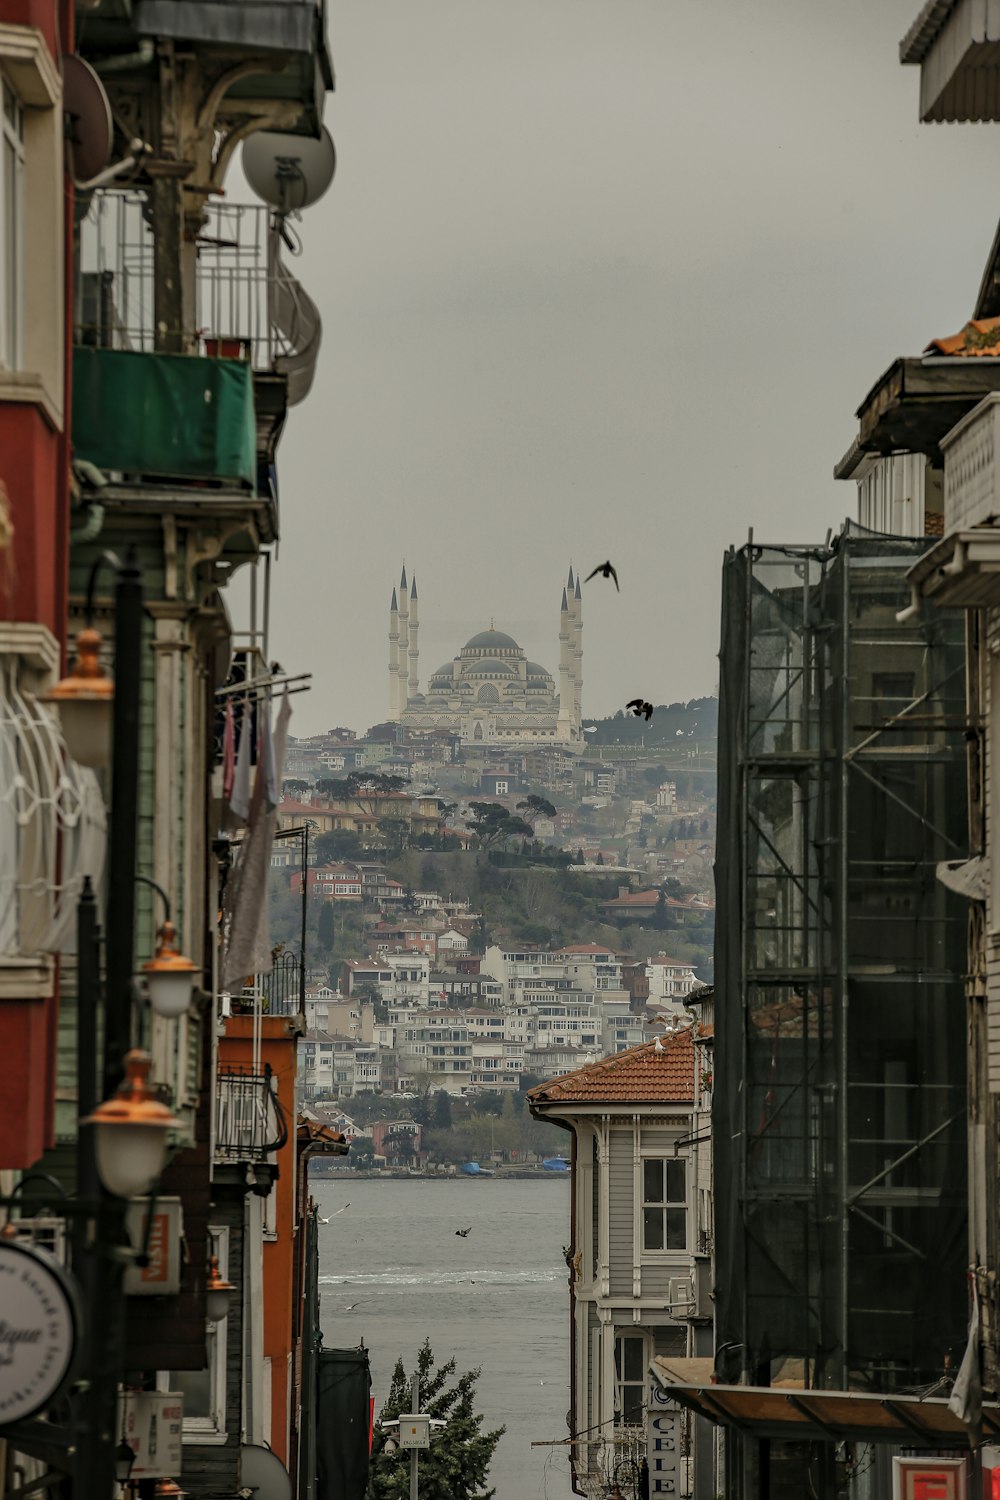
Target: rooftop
(656,1072)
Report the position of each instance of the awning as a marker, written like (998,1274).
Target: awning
(802,1415)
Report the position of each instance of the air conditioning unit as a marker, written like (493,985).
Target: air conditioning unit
(680,1296)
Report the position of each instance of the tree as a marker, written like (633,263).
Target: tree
(324,925)
(486,820)
(395,835)
(340,843)
(457,1464)
(362,1152)
(442,1110)
(538,807)
(294,788)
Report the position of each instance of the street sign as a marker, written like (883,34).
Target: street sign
(152,1423)
(39,1323)
(414,1430)
(162,1277)
(929,1478)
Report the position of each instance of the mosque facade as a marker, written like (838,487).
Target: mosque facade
(490,692)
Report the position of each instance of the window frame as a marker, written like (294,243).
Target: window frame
(666,1205)
(623,1336)
(12,144)
(210,1430)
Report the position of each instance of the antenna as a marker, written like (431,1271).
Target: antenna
(289,171)
(88,118)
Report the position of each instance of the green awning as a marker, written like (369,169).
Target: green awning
(169,415)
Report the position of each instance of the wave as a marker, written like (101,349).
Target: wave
(400,1276)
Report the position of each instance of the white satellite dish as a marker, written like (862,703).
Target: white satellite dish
(263,1472)
(289,171)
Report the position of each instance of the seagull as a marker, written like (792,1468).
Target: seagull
(639,706)
(350,1307)
(606,571)
(463,1232)
(657,1045)
(334,1214)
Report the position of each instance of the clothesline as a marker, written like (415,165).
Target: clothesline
(257,684)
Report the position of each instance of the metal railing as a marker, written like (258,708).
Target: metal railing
(250,1123)
(248,304)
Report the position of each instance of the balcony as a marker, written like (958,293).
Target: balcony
(250,1124)
(250,353)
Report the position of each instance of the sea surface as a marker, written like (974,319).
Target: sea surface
(497,1298)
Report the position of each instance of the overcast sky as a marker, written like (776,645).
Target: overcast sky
(601,278)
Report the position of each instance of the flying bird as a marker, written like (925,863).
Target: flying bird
(606,571)
(350,1307)
(640,707)
(334,1214)
(463,1232)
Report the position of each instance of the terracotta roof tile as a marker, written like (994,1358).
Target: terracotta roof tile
(980,338)
(656,1072)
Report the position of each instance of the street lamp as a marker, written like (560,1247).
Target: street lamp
(85,703)
(169,975)
(217,1293)
(130,1132)
(124,1459)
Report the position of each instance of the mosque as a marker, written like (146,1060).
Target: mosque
(490,692)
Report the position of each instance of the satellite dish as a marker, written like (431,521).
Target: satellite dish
(289,171)
(263,1472)
(88,117)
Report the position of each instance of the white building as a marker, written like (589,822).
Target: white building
(670,980)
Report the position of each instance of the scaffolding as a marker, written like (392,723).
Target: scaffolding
(839,1130)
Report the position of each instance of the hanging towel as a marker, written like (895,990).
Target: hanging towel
(228,753)
(239,802)
(267,757)
(248,949)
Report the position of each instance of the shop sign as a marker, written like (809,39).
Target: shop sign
(663,1442)
(162,1277)
(929,1478)
(39,1326)
(151,1424)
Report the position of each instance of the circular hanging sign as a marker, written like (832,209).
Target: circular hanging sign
(39,1320)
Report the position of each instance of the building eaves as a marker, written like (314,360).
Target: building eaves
(925,30)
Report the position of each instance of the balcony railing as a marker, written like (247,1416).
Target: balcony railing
(248,304)
(250,1123)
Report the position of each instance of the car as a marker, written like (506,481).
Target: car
(406,1096)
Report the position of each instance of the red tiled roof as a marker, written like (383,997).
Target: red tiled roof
(646,1074)
(635,898)
(980,338)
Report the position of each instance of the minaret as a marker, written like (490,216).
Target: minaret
(404,644)
(564,724)
(578,657)
(393,658)
(413,625)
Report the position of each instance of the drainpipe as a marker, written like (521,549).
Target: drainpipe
(140,58)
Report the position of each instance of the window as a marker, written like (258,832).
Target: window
(11,228)
(664,1208)
(630,1380)
(204,1391)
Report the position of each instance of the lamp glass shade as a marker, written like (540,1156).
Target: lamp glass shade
(87,726)
(124,1459)
(170,992)
(129,1157)
(217,1305)
(130,1132)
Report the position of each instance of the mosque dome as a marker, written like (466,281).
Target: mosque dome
(491,640)
(535,670)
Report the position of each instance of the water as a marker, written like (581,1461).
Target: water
(497,1298)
